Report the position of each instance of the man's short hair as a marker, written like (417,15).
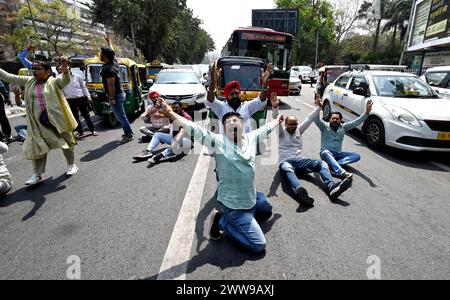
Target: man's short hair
(109,53)
(337,113)
(231,114)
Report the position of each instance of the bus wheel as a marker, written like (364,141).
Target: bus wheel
(110,120)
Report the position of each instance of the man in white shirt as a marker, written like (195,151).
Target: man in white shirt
(292,161)
(234,103)
(77,96)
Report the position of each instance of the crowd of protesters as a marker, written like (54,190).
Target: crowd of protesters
(53,105)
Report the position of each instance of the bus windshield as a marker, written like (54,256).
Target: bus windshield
(247,76)
(276,54)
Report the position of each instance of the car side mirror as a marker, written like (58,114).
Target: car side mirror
(436,91)
(360,91)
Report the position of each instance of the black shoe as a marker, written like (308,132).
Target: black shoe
(214,229)
(303,198)
(144,155)
(155,159)
(340,188)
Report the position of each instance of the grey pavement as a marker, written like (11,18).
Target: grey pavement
(118,216)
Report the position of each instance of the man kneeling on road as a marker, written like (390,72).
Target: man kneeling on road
(235,159)
(292,161)
(331,142)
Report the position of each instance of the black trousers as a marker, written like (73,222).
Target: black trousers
(80,104)
(6,127)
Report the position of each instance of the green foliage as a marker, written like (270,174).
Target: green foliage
(164,29)
(314,16)
(57,26)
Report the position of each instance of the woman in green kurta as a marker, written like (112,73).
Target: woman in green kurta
(41,139)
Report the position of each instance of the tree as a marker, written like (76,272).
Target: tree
(163,29)
(56,26)
(345,17)
(315,18)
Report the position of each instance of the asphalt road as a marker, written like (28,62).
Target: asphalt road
(119,217)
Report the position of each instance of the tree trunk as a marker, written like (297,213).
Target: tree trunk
(394,36)
(377,35)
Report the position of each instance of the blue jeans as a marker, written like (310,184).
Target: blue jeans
(164,138)
(336,160)
(241,225)
(290,167)
(21,131)
(119,112)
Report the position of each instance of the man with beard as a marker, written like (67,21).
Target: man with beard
(331,141)
(235,158)
(292,161)
(234,103)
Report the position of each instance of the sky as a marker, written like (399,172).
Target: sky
(221,17)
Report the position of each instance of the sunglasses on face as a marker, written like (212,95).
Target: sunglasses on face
(292,124)
(232,94)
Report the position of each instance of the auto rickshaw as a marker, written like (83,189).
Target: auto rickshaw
(143,75)
(131,83)
(153,70)
(331,73)
(247,71)
(24,72)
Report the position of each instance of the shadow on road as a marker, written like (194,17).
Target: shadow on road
(224,253)
(35,194)
(416,160)
(100,152)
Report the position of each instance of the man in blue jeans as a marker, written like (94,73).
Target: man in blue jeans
(235,159)
(113,88)
(331,141)
(292,161)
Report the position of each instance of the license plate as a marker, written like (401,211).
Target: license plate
(443,136)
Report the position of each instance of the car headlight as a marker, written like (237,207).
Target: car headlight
(201,95)
(403,115)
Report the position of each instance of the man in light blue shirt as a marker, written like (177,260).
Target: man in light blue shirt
(331,141)
(235,154)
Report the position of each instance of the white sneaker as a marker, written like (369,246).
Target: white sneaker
(72,170)
(35,179)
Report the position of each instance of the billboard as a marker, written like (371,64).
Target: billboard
(282,20)
(430,24)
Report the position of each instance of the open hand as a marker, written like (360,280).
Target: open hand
(274,100)
(265,77)
(369,106)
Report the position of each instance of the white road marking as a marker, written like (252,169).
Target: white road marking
(440,166)
(176,259)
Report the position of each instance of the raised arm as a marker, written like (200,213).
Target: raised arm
(361,119)
(63,80)
(311,117)
(22,56)
(15,79)
(265,83)
(264,131)
(212,89)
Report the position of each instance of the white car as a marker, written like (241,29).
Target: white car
(305,72)
(439,79)
(181,85)
(295,84)
(407,113)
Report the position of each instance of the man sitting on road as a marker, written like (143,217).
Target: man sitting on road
(177,139)
(158,123)
(235,159)
(292,161)
(232,92)
(332,138)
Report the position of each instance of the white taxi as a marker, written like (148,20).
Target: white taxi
(407,113)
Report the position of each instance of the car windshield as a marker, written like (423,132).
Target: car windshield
(247,76)
(305,69)
(399,86)
(334,73)
(294,74)
(93,73)
(153,70)
(177,78)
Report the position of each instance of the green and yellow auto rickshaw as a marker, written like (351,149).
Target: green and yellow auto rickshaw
(131,83)
(247,71)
